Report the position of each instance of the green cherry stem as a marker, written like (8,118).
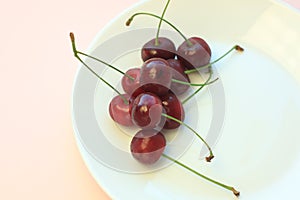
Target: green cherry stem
(235,47)
(194,84)
(128,22)
(230,188)
(105,63)
(211,155)
(159,24)
(72,37)
(198,90)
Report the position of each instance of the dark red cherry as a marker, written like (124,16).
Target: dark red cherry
(147,146)
(120,111)
(195,55)
(165,49)
(173,107)
(178,74)
(136,93)
(130,85)
(146,111)
(156,76)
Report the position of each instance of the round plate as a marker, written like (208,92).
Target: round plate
(257,144)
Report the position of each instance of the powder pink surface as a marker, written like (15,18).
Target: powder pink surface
(38,155)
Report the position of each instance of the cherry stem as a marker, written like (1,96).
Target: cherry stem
(235,47)
(198,90)
(194,84)
(91,70)
(211,155)
(159,24)
(235,192)
(107,64)
(128,22)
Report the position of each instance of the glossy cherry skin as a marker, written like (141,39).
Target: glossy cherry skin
(136,93)
(129,85)
(165,49)
(178,74)
(147,146)
(173,107)
(146,111)
(196,55)
(120,111)
(156,76)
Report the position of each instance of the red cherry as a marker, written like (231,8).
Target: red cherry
(173,107)
(178,74)
(129,85)
(147,146)
(195,55)
(203,44)
(120,111)
(156,76)
(146,111)
(136,93)
(165,49)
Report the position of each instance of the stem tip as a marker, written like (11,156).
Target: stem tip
(235,192)
(209,158)
(128,22)
(72,36)
(239,48)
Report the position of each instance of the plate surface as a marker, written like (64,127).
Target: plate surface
(258,148)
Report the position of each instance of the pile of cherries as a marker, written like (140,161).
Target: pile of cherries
(151,96)
(150,99)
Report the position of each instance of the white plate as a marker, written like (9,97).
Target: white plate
(258,151)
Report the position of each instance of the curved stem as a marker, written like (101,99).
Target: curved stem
(235,192)
(128,22)
(198,90)
(91,70)
(211,155)
(194,84)
(159,24)
(235,47)
(105,63)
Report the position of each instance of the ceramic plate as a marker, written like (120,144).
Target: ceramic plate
(251,117)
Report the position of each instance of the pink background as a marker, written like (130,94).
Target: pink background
(38,155)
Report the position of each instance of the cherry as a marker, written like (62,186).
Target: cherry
(147,146)
(178,74)
(156,76)
(131,84)
(136,93)
(164,48)
(174,108)
(146,111)
(120,111)
(194,53)
(159,47)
